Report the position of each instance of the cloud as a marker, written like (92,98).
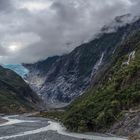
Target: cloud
(43,28)
(5,5)
(3,51)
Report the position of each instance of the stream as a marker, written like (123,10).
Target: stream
(21,127)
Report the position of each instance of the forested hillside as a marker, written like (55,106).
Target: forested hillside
(15,94)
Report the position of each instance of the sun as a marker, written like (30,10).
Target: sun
(13,48)
(36,6)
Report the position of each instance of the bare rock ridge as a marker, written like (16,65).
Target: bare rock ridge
(60,79)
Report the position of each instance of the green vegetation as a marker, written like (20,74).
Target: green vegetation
(54,114)
(91,52)
(117,91)
(15,94)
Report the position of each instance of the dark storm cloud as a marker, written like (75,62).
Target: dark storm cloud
(43,28)
(5,5)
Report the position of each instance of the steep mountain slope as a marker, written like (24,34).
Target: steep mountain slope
(116,97)
(70,75)
(63,78)
(15,94)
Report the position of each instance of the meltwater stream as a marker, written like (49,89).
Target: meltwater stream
(50,126)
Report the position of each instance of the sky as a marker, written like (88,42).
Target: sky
(32,30)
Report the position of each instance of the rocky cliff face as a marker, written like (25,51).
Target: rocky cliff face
(70,75)
(63,78)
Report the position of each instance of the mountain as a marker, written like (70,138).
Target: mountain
(105,72)
(112,104)
(61,79)
(15,94)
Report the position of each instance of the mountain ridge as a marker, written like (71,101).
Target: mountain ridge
(114,99)
(15,94)
(99,78)
(109,65)
(64,78)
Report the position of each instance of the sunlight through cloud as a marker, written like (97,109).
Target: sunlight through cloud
(36,6)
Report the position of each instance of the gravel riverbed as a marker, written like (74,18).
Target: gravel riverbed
(35,128)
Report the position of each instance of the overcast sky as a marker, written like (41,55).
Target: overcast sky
(31,30)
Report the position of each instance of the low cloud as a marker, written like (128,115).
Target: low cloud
(43,28)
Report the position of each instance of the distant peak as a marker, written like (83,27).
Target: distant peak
(119,21)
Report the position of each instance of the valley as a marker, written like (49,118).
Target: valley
(69,69)
(95,88)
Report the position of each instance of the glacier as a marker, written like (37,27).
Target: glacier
(18,68)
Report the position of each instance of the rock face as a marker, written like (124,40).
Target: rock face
(129,124)
(134,137)
(68,76)
(61,79)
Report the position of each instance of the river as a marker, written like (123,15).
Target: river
(21,127)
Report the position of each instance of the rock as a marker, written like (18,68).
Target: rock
(134,137)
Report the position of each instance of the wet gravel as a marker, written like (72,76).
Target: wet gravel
(33,128)
(14,129)
(50,135)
